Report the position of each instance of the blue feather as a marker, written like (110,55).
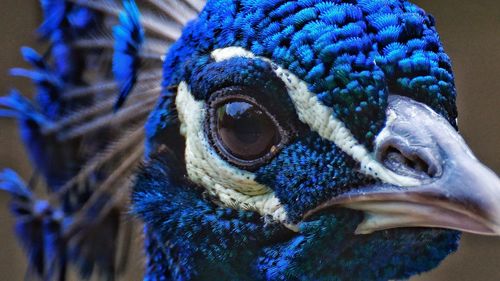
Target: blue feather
(11,182)
(22,108)
(80,18)
(48,84)
(33,58)
(30,215)
(64,21)
(129,37)
(54,15)
(64,58)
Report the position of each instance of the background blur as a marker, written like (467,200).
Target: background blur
(470,31)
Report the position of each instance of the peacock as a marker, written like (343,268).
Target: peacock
(253,140)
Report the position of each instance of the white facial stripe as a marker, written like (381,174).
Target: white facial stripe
(321,120)
(234,187)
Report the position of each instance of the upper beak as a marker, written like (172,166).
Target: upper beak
(455,190)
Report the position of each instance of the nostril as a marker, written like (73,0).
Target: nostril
(412,162)
(407,163)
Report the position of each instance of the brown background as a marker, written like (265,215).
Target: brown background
(470,31)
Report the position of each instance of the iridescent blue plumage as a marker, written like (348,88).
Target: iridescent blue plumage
(49,85)
(56,232)
(38,228)
(351,55)
(340,49)
(55,12)
(128,39)
(64,21)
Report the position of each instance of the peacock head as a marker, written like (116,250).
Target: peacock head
(332,119)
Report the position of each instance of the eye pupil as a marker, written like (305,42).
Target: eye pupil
(245,130)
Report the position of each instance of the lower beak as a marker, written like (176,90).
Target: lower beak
(456,191)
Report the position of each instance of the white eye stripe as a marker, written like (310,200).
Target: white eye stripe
(233,187)
(320,119)
(199,153)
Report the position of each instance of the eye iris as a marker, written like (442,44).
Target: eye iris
(245,130)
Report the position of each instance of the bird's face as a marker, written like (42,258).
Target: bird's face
(300,110)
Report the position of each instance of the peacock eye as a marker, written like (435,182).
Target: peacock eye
(245,130)
(242,131)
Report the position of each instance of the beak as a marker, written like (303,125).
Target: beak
(455,190)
